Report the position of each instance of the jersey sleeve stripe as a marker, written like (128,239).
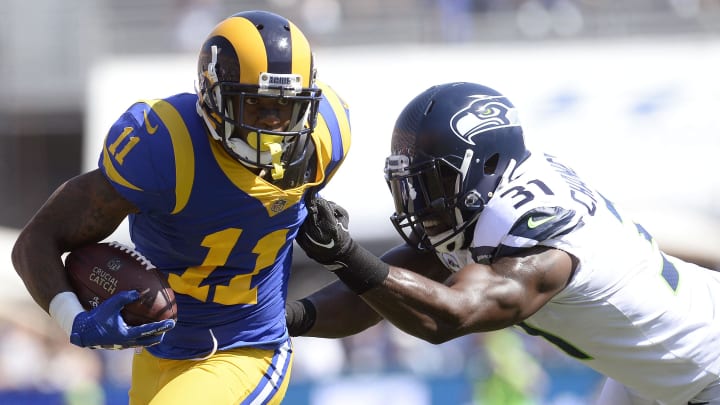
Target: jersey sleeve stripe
(113,173)
(536,227)
(334,115)
(182,150)
(341,113)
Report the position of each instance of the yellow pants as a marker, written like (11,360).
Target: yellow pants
(232,377)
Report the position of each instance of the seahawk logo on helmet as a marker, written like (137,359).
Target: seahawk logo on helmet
(484,113)
(450,147)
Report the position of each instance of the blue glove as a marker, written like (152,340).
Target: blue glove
(104,328)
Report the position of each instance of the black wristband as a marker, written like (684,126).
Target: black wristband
(361,270)
(300,316)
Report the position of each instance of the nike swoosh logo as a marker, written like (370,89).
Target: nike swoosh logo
(533,223)
(328,245)
(150,129)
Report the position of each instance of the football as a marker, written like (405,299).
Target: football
(99,270)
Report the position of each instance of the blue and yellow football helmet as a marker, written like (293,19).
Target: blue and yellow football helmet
(247,59)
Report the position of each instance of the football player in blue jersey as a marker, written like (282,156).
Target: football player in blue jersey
(214,185)
(499,236)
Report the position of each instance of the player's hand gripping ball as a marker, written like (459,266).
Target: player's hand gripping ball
(100,270)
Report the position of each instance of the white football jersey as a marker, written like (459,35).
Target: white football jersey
(630,311)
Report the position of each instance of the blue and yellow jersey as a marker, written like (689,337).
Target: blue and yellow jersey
(222,235)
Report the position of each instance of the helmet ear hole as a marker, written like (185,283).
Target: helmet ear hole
(457,140)
(491,164)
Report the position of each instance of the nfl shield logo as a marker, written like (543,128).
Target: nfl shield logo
(114,264)
(278,205)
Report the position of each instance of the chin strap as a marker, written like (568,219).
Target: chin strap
(210,126)
(271,144)
(278,171)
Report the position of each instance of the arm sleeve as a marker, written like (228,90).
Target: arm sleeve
(140,165)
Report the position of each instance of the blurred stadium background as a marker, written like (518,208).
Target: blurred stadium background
(628,91)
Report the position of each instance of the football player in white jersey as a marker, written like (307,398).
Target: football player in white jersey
(499,236)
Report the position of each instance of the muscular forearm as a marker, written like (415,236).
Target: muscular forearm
(417,305)
(83,210)
(476,298)
(28,258)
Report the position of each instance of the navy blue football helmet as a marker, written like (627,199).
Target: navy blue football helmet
(450,147)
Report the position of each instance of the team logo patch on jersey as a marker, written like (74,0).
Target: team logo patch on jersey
(483,114)
(278,205)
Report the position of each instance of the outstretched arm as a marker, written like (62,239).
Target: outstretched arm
(336,311)
(477,298)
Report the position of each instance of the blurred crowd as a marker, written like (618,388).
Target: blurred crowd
(331,21)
